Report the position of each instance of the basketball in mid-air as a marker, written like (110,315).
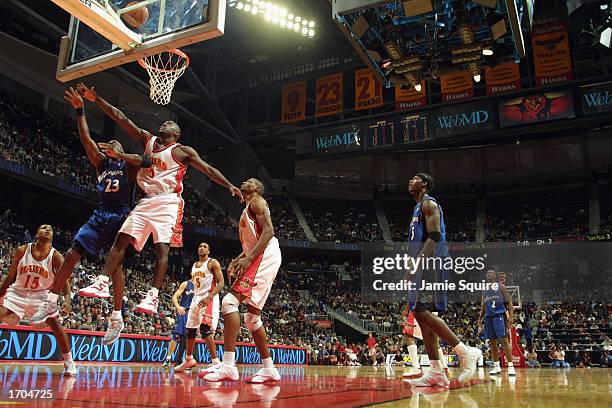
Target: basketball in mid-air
(136,17)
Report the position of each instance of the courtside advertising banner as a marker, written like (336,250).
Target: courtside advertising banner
(551,53)
(329,95)
(503,78)
(596,98)
(293,102)
(26,343)
(457,86)
(368,90)
(540,107)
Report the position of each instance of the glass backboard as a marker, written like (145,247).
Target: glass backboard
(169,24)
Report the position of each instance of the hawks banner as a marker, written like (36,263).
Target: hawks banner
(551,53)
(410,98)
(368,90)
(294,102)
(329,95)
(456,86)
(503,78)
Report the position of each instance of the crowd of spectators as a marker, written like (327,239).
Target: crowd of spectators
(286,224)
(341,221)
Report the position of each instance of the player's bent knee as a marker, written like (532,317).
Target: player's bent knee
(191,333)
(205,330)
(252,321)
(229,304)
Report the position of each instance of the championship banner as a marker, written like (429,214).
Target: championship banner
(410,98)
(18,343)
(551,53)
(294,102)
(329,95)
(596,98)
(503,78)
(368,90)
(457,86)
(536,108)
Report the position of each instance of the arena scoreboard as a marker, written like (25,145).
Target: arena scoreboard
(397,130)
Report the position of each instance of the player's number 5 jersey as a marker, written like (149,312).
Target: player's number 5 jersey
(202,278)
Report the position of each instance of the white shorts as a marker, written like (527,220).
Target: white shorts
(208,316)
(158,215)
(256,282)
(23,303)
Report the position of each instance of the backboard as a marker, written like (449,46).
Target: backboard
(170,24)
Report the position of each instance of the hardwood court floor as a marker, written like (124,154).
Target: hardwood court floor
(120,385)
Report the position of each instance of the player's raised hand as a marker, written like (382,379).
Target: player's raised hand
(86,92)
(236,193)
(73,98)
(108,150)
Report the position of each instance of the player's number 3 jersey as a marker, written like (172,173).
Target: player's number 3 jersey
(165,176)
(34,275)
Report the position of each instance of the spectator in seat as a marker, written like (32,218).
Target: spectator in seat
(532,359)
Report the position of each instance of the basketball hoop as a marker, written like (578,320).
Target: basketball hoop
(164,69)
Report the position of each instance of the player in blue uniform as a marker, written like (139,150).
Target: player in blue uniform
(116,191)
(185,292)
(428,239)
(496,307)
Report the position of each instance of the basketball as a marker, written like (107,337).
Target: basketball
(137,17)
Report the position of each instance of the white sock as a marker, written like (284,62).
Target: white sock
(103,278)
(435,366)
(414,356)
(68,356)
(116,315)
(52,297)
(154,291)
(229,358)
(510,364)
(216,360)
(443,359)
(461,349)
(267,362)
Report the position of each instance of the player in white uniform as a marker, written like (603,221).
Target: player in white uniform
(255,270)
(27,285)
(208,281)
(160,212)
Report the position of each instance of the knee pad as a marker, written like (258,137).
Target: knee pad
(205,330)
(252,321)
(229,304)
(191,333)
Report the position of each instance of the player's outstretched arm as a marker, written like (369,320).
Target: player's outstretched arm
(117,115)
(12,275)
(134,160)
(93,153)
(188,155)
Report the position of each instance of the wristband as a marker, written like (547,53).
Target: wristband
(80,111)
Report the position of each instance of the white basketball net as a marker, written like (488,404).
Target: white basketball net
(164,69)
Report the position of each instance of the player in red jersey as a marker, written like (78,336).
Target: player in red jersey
(253,272)
(160,212)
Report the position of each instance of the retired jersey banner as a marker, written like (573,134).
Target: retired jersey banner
(503,78)
(551,53)
(456,86)
(410,98)
(368,90)
(536,108)
(294,102)
(329,95)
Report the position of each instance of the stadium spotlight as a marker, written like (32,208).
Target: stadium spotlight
(277,15)
(477,77)
(487,52)
(418,87)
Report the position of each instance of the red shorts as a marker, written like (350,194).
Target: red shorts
(256,282)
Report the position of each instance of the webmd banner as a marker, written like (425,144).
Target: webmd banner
(27,343)
(467,118)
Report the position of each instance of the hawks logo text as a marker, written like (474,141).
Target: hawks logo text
(35,269)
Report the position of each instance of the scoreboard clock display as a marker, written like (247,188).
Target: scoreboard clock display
(397,131)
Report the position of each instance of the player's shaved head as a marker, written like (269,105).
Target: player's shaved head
(259,184)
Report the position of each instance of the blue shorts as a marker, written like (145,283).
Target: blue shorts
(495,327)
(179,328)
(100,230)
